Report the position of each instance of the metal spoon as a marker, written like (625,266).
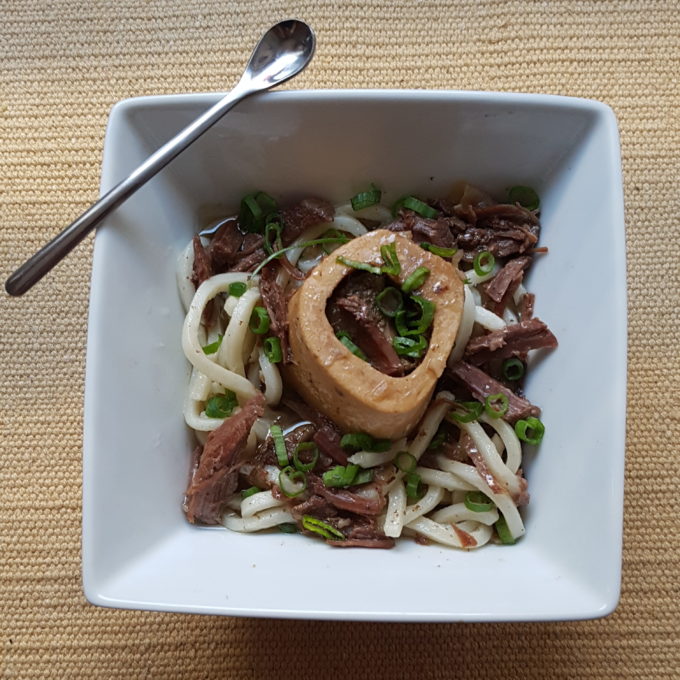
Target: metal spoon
(283,51)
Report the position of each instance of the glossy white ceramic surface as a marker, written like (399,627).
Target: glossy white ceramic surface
(138,550)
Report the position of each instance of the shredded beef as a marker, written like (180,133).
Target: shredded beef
(352,309)
(216,475)
(370,502)
(202,269)
(437,232)
(225,245)
(482,386)
(526,306)
(510,275)
(316,506)
(300,216)
(249,262)
(274,300)
(507,211)
(514,340)
(327,436)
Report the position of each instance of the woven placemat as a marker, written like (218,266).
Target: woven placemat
(64,64)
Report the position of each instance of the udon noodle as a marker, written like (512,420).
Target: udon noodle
(268,455)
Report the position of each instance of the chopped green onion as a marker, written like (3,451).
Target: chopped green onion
(415,280)
(530,430)
(333,234)
(213,346)
(478,502)
(412,203)
(305,446)
(483,263)
(272,237)
(364,442)
(513,369)
(365,199)
(405,461)
(221,405)
(287,528)
(340,475)
(420,324)
(237,288)
(318,527)
(392,266)
(466,411)
(363,477)
(439,250)
(438,439)
(292,482)
(358,265)
(496,405)
(259,321)
(255,208)
(246,493)
(503,532)
(303,245)
(414,488)
(410,347)
(389,301)
(279,445)
(525,196)
(272,349)
(345,339)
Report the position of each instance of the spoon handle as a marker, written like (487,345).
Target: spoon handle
(47,257)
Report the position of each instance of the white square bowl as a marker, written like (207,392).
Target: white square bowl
(138,549)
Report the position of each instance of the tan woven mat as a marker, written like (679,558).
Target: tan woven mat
(64,63)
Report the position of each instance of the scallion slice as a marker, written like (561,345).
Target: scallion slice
(246,493)
(363,477)
(410,347)
(272,349)
(259,321)
(478,502)
(221,405)
(496,405)
(503,532)
(391,265)
(322,528)
(466,411)
(405,461)
(305,447)
(213,346)
(525,196)
(237,288)
(361,441)
(272,237)
(513,369)
(420,324)
(358,265)
(415,204)
(365,199)
(292,482)
(390,301)
(254,211)
(347,341)
(340,475)
(415,280)
(333,234)
(530,430)
(483,263)
(287,528)
(279,445)
(439,250)
(414,489)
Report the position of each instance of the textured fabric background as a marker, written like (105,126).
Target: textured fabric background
(63,65)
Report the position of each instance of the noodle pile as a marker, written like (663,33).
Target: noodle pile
(456,480)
